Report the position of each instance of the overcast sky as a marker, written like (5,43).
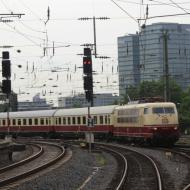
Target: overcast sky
(59,74)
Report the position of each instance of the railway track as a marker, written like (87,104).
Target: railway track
(47,155)
(184,152)
(141,171)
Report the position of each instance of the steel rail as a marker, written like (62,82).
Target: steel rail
(26,160)
(34,170)
(159,181)
(126,166)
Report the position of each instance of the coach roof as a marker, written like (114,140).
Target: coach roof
(29,114)
(84,111)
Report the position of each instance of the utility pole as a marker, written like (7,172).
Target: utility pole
(165,65)
(94,31)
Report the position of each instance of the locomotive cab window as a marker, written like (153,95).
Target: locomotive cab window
(163,110)
(169,110)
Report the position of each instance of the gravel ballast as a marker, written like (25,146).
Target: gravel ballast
(83,171)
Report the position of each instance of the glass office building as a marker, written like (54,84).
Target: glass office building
(141,57)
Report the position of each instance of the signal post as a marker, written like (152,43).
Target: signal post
(6,82)
(88,87)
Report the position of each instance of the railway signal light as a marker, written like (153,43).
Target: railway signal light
(89,95)
(6,86)
(5,55)
(6,65)
(88,78)
(88,83)
(87,65)
(6,73)
(87,52)
(6,68)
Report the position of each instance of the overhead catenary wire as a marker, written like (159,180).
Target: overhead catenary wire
(134,19)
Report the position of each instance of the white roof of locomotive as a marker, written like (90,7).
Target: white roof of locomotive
(60,112)
(140,105)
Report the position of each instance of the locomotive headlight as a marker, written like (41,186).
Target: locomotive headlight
(175,128)
(155,128)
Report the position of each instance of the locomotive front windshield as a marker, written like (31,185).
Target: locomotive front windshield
(163,110)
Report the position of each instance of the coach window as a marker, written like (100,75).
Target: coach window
(50,121)
(36,121)
(78,120)
(56,120)
(64,120)
(101,119)
(4,122)
(19,121)
(145,110)
(106,119)
(0,123)
(69,120)
(41,121)
(14,122)
(30,121)
(83,120)
(73,121)
(24,121)
(47,121)
(59,120)
(95,119)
